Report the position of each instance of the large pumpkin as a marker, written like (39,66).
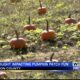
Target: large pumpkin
(41,10)
(29,26)
(17,43)
(48,34)
(78,26)
(70,20)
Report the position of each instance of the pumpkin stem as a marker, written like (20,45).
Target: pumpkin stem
(51,57)
(47,25)
(29,19)
(40,3)
(69,16)
(16,32)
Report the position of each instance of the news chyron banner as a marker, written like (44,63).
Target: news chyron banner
(39,65)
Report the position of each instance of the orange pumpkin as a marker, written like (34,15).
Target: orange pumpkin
(3,75)
(47,34)
(41,10)
(70,20)
(29,26)
(17,43)
(78,25)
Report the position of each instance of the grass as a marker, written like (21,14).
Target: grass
(65,47)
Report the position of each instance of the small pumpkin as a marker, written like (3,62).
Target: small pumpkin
(48,34)
(78,25)
(70,20)
(3,75)
(18,42)
(13,1)
(41,10)
(29,26)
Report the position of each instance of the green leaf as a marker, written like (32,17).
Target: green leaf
(78,44)
(65,47)
(60,5)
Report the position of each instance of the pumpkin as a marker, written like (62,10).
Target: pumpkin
(70,20)
(13,1)
(48,34)
(29,26)
(17,43)
(3,75)
(41,10)
(78,25)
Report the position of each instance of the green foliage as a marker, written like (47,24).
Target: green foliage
(67,28)
(17,14)
(35,34)
(78,44)
(60,5)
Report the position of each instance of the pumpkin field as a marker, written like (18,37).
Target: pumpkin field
(39,30)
